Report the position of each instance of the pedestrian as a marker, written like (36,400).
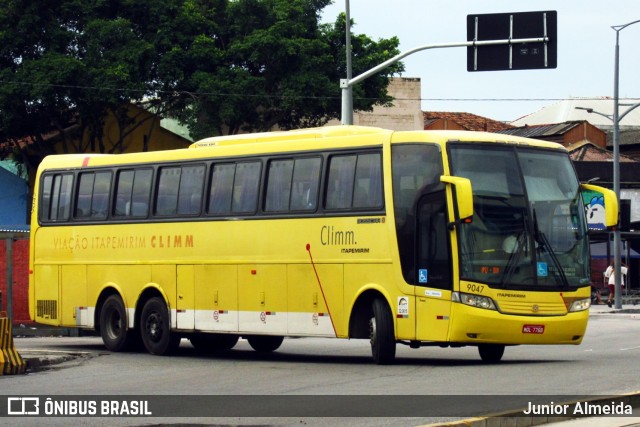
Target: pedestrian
(609,274)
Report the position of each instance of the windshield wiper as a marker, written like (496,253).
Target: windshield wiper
(542,240)
(514,257)
(522,242)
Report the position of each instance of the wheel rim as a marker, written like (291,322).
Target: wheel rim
(114,326)
(372,331)
(154,327)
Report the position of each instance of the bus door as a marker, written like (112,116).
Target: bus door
(433,267)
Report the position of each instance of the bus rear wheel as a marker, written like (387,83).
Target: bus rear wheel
(213,342)
(491,353)
(383,341)
(265,343)
(113,325)
(155,328)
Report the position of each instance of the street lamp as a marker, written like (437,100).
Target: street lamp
(616,162)
(616,157)
(610,116)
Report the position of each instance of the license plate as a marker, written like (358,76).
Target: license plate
(533,329)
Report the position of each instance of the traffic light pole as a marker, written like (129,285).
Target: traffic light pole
(347,84)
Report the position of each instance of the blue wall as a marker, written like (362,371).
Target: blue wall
(14,197)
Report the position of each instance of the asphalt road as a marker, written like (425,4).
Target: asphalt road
(453,382)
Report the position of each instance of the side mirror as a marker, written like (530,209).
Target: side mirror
(463,196)
(610,203)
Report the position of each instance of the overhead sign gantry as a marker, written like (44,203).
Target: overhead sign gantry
(517,54)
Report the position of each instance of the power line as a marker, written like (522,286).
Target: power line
(249,95)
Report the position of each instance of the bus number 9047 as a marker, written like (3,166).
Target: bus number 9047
(474,288)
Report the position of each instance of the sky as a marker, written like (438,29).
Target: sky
(585,63)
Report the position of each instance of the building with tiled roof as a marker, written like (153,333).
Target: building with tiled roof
(439,120)
(565,133)
(585,151)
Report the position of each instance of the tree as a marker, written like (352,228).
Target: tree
(267,63)
(64,65)
(219,66)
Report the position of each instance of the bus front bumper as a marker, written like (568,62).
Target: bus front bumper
(474,325)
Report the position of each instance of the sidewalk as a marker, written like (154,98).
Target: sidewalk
(603,308)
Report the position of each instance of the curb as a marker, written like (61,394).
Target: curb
(34,330)
(42,360)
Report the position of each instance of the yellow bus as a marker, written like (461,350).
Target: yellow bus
(423,238)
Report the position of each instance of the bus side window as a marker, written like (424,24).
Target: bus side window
(245,187)
(340,184)
(190,193)
(85,195)
(133,187)
(368,182)
(306,180)
(141,192)
(124,185)
(355,182)
(56,197)
(221,188)
(168,186)
(93,195)
(100,196)
(45,202)
(279,185)
(292,185)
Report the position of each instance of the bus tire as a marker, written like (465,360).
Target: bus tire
(491,353)
(383,341)
(213,342)
(265,343)
(113,325)
(155,328)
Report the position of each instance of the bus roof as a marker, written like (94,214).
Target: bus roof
(344,131)
(289,141)
(291,135)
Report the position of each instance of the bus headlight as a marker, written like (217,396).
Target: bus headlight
(580,305)
(473,300)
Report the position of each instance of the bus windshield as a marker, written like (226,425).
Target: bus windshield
(528,229)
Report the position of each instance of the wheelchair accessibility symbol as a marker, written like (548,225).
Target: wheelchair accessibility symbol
(422,275)
(543,270)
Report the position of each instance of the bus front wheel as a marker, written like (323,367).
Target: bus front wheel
(491,353)
(155,328)
(265,343)
(383,341)
(113,325)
